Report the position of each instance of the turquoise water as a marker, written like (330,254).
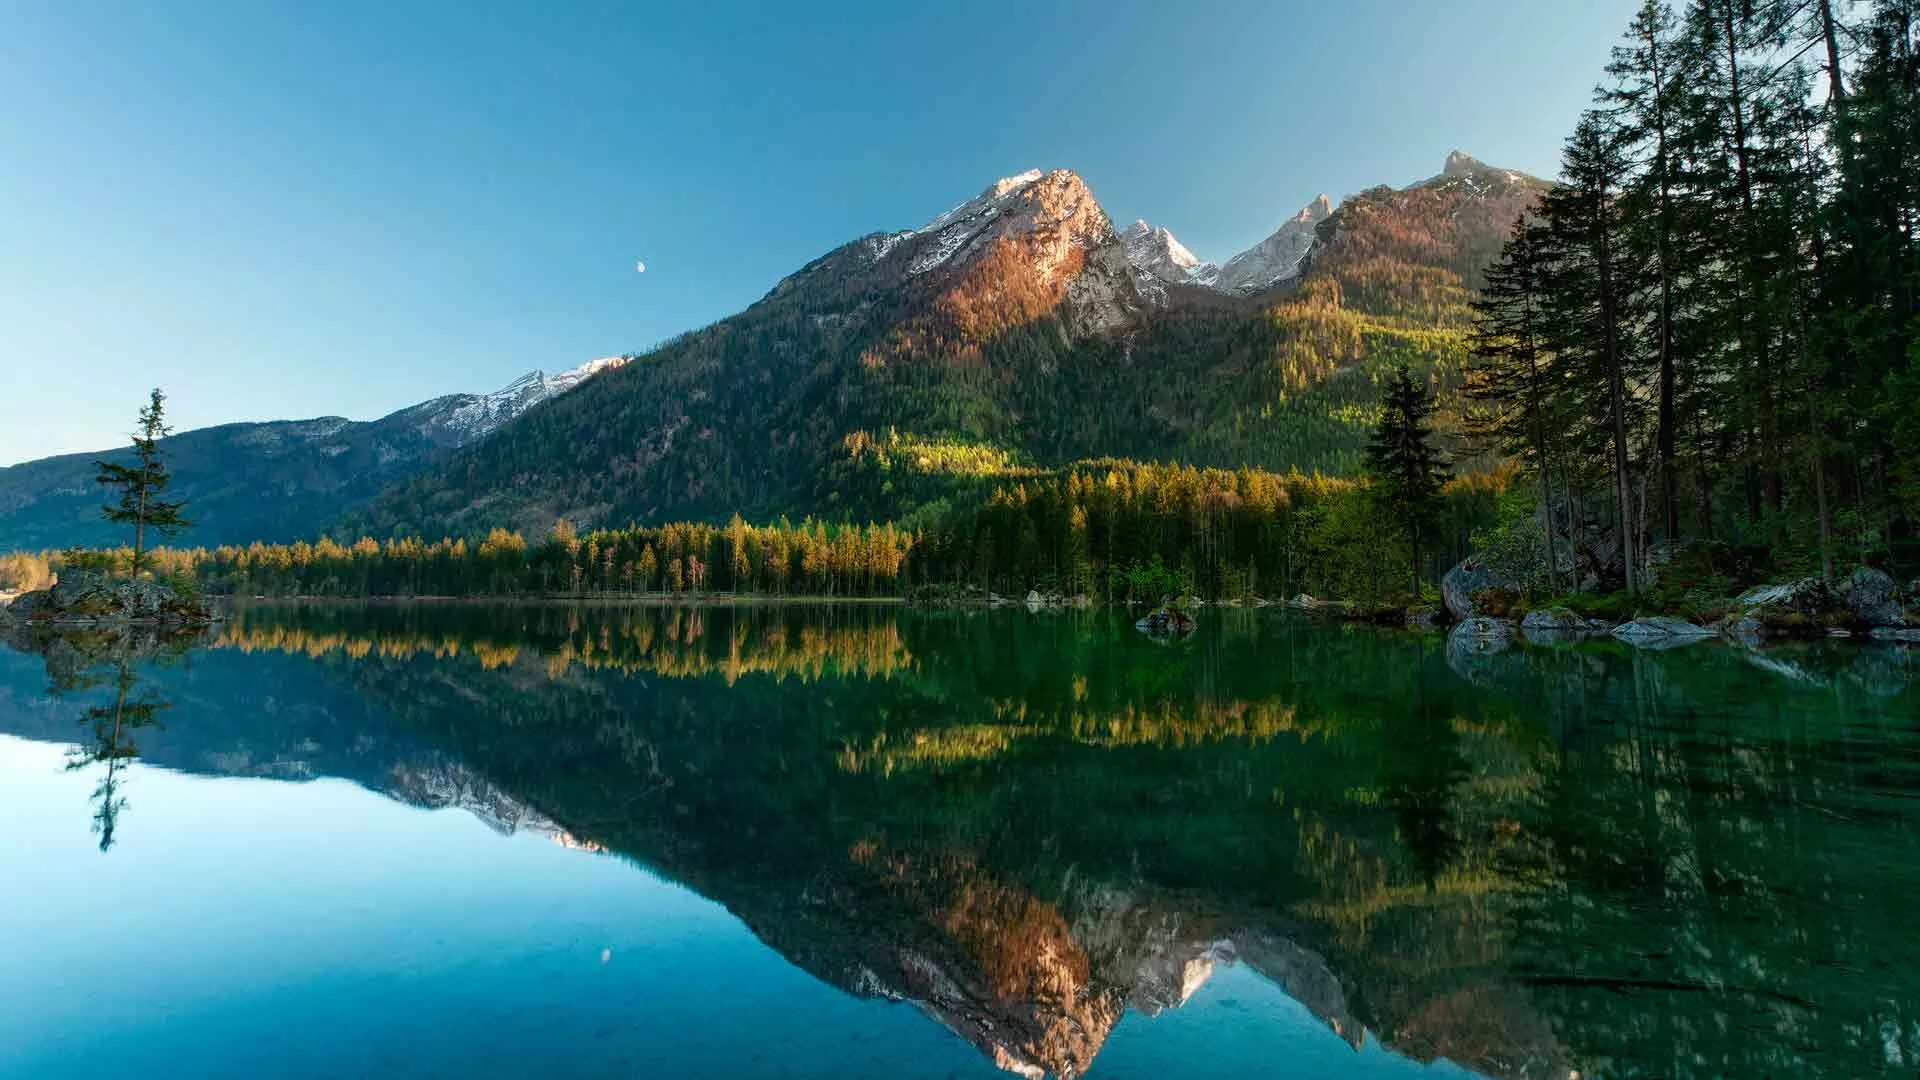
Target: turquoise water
(875,842)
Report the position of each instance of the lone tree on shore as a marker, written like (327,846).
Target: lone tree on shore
(1407,471)
(141,485)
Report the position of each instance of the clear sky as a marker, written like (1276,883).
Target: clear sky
(292,210)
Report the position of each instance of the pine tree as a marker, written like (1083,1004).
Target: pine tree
(1509,381)
(1593,306)
(141,484)
(1645,97)
(1408,472)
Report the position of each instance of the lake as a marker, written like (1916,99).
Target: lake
(783,841)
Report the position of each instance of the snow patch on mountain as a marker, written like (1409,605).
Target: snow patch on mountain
(467,417)
(953,229)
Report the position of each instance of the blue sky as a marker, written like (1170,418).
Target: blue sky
(283,211)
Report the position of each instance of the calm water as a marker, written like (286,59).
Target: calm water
(873,842)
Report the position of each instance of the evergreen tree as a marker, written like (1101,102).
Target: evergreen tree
(1510,379)
(1592,311)
(142,484)
(1408,472)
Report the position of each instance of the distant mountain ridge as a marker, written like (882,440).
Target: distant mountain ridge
(276,480)
(1018,328)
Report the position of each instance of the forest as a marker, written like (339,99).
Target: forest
(1706,334)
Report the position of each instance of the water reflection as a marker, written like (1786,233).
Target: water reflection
(102,667)
(1530,862)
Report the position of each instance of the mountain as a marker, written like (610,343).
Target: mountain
(1017,330)
(276,480)
(1278,258)
(1159,260)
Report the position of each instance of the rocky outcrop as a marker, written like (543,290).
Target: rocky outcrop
(1158,261)
(83,598)
(1474,585)
(1279,257)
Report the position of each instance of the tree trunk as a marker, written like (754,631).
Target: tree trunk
(1836,86)
(1546,508)
(1669,494)
(1617,403)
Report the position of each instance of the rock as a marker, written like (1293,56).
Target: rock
(1302,602)
(1807,596)
(1464,587)
(1554,619)
(1746,630)
(1472,642)
(1423,618)
(1895,633)
(1872,597)
(81,597)
(1481,628)
(1166,621)
(1661,632)
(1559,624)
(1033,598)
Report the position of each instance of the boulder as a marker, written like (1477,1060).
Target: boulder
(1554,619)
(1744,629)
(1302,602)
(1466,586)
(1872,597)
(1895,633)
(1661,632)
(1807,596)
(1424,618)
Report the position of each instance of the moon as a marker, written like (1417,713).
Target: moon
(639,267)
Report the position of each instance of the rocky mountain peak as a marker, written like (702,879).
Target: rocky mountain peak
(1158,259)
(1470,176)
(1460,163)
(1279,257)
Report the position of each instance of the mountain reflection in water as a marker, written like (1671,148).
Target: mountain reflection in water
(1530,863)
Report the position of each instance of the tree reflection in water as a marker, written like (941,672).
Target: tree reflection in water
(1531,862)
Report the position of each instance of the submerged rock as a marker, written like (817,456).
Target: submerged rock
(1483,632)
(1166,621)
(1661,632)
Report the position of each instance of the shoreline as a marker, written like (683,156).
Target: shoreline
(558,599)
